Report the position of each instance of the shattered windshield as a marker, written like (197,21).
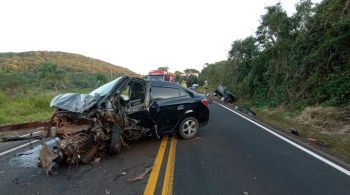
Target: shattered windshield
(104,89)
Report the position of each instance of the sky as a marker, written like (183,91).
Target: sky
(140,35)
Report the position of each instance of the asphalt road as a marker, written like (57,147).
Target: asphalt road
(234,156)
(230,156)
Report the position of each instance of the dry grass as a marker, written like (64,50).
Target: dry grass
(325,123)
(328,119)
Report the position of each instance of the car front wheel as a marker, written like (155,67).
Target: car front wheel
(115,145)
(189,128)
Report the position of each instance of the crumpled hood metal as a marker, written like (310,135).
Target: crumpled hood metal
(73,102)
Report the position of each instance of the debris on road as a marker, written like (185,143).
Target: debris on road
(107,191)
(319,142)
(294,131)
(97,160)
(245,110)
(322,142)
(19,138)
(141,176)
(24,153)
(47,158)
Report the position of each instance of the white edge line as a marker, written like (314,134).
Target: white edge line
(17,147)
(330,163)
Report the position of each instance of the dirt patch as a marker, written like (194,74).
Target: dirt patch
(327,119)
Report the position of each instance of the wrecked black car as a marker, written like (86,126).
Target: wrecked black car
(127,108)
(224,95)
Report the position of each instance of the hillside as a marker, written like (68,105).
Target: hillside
(29,80)
(31,60)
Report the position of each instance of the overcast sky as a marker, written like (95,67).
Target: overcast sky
(140,35)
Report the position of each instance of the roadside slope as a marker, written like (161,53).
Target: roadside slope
(76,62)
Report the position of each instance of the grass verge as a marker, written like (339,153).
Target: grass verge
(24,108)
(30,106)
(338,143)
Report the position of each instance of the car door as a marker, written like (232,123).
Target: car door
(171,105)
(135,99)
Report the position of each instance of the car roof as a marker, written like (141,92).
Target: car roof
(164,84)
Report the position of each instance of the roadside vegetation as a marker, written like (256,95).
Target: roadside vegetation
(188,76)
(295,71)
(29,80)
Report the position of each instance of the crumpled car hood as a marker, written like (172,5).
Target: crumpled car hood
(73,102)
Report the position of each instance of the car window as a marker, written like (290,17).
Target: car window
(183,92)
(138,91)
(125,93)
(165,92)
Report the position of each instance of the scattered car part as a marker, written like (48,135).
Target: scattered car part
(245,110)
(18,138)
(141,176)
(294,131)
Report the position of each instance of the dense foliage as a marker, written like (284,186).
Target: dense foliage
(188,76)
(297,60)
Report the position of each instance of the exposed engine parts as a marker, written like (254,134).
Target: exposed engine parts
(83,137)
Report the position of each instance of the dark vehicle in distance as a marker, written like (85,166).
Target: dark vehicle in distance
(126,108)
(222,93)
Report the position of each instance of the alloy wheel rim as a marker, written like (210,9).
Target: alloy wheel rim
(189,127)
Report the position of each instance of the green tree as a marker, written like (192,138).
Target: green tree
(178,76)
(191,71)
(297,60)
(50,73)
(164,68)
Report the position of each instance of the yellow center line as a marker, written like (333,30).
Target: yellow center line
(152,180)
(169,171)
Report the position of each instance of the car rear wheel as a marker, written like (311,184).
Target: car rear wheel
(115,145)
(189,128)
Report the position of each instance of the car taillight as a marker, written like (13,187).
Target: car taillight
(205,101)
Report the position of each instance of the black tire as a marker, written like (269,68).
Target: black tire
(188,128)
(115,144)
(227,100)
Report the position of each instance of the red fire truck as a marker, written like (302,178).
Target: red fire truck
(161,75)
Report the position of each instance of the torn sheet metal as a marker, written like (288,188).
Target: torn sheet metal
(91,125)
